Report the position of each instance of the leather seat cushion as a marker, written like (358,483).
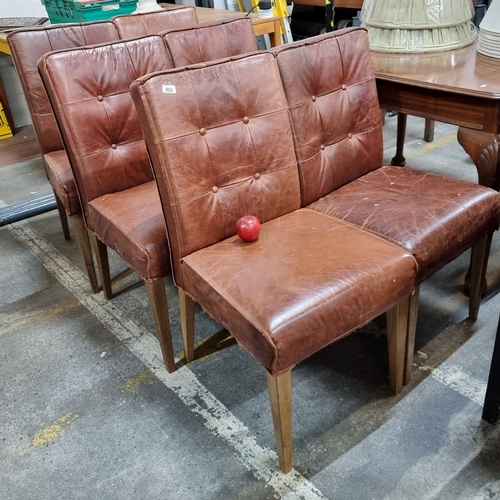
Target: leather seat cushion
(131,222)
(307,281)
(435,218)
(62,180)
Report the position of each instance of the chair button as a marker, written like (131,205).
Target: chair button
(257,176)
(322,147)
(202,131)
(313,98)
(349,135)
(100,98)
(215,189)
(114,146)
(344,86)
(245,120)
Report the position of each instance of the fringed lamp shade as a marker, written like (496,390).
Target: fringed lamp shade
(418,25)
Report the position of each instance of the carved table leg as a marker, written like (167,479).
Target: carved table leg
(399,160)
(484,149)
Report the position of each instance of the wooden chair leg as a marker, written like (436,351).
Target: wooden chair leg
(492,398)
(479,263)
(82,235)
(63,217)
(397,329)
(159,307)
(101,253)
(399,160)
(412,329)
(280,396)
(187,306)
(430,125)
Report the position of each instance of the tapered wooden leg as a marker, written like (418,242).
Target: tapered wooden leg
(410,340)
(63,217)
(280,396)
(101,253)
(397,328)
(82,235)
(479,263)
(429,130)
(187,306)
(399,160)
(159,307)
(382,116)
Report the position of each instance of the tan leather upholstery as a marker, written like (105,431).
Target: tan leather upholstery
(106,149)
(305,283)
(330,88)
(61,177)
(104,142)
(331,93)
(149,23)
(131,222)
(433,217)
(221,148)
(244,175)
(207,42)
(27,46)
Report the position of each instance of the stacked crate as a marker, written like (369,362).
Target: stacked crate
(79,11)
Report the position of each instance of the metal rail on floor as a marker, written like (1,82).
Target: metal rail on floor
(25,209)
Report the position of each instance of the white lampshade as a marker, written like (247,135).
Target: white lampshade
(491,20)
(489,32)
(418,25)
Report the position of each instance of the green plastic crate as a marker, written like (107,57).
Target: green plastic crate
(69,11)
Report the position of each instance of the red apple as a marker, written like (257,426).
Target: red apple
(248,228)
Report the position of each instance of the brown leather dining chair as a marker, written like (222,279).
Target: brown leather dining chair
(109,160)
(221,147)
(27,46)
(333,104)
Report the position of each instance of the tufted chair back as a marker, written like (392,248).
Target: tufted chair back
(149,23)
(206,186)
(334,110)
(207,42)
(105,143)
(27,46)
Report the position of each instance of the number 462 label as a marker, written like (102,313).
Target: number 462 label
(169,89)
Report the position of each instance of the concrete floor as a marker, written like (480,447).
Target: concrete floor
(88,411)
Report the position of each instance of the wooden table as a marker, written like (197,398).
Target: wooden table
(460,87)
(261,26)
(270,26)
